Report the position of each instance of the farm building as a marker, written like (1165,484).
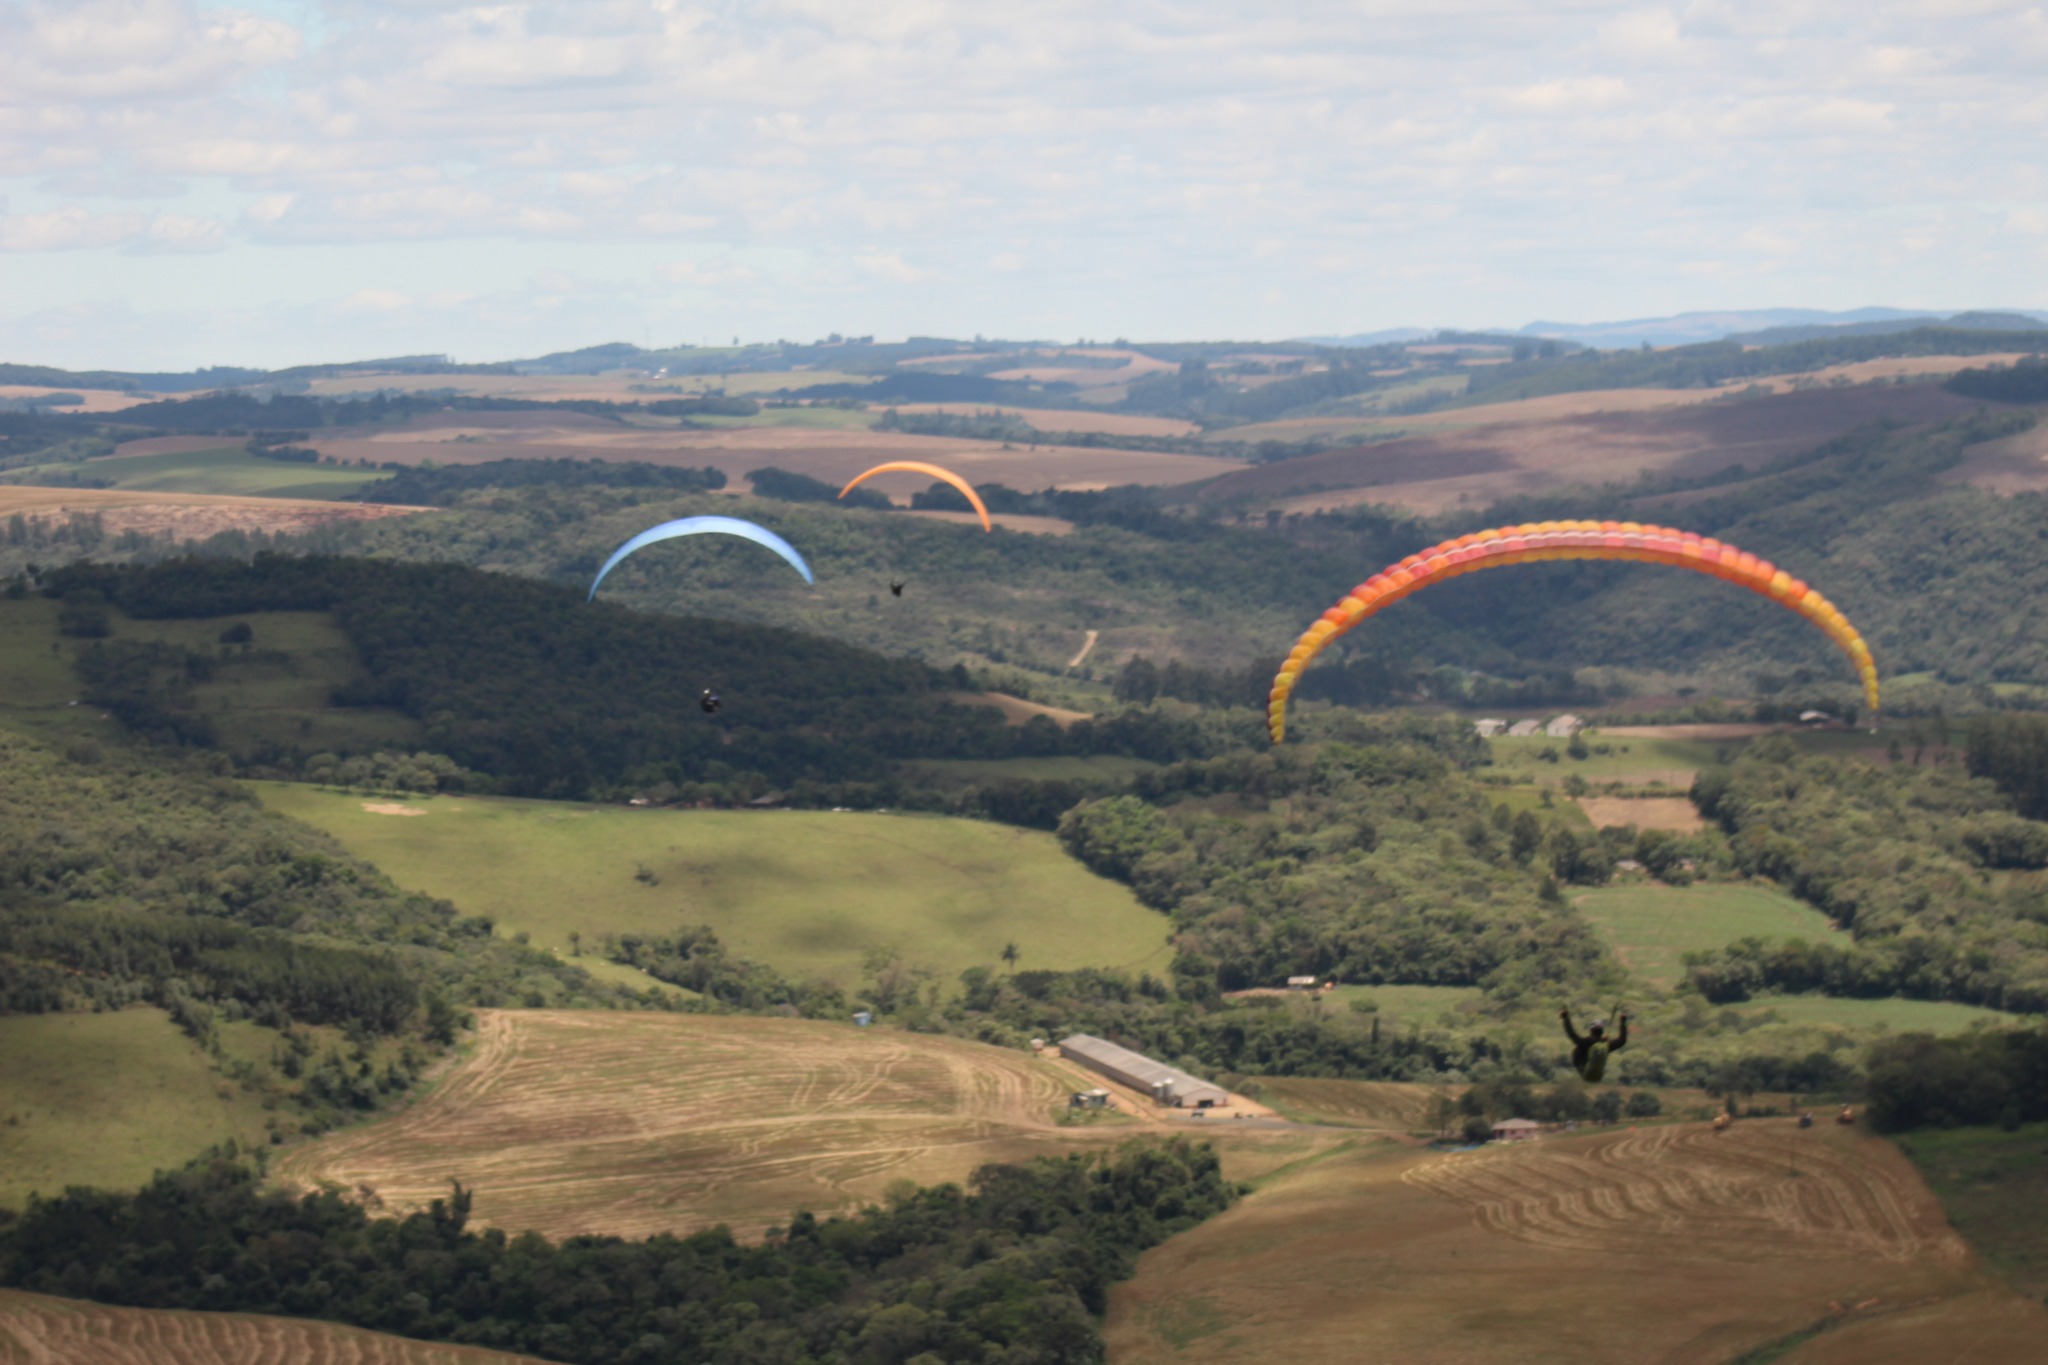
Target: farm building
(1564,727)
(1165,1084)
(1301,983)
(1516,1130)
(1486,729)
(1522,729)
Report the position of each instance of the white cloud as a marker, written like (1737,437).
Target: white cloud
(1049,165)
(887,265)
(375,301)
(177,234)
(68,229)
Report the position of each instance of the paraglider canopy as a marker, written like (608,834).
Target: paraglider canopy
(917,467)
(1546,540)
(695,526)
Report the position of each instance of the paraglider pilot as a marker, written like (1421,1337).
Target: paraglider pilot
(895,589)
(1591,1049)
(708,701)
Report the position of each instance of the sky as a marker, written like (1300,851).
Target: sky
(276,182)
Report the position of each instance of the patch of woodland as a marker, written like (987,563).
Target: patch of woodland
(1938,881)
(1015,1267)
(145,875)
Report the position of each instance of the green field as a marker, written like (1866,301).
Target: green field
(107,1099)
(1063,768)
(1994,1185)
(1864,1016)
(810,893)
(1419,1003)
(1650,926)
(230,469)
(1638,762)
(276,690)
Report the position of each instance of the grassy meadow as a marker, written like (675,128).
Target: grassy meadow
(1650,926)
(230,469)
(1939,1017)
(811,893)
(107,1099)
(1994,1185)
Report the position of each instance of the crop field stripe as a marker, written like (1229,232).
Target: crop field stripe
(1735,1193)
(630,1124)
(36,1329)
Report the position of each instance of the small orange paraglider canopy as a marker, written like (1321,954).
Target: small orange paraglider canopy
(918,467)
(1541,540)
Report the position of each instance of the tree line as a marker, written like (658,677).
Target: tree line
(1917,864)
(1013,1268)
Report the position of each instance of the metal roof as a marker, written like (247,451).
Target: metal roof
(1134,1066)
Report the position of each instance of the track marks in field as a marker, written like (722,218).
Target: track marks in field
(629,1124)
(37,1330)
(1688,1191)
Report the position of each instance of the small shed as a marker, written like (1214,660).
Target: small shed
(1301,983)
(1088,1099)
(1523,729)
(1516,1130)
(862,1018)
(1564,727)
(1488,728)
(1817,718)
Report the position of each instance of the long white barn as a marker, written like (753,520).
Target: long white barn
(1165,1084)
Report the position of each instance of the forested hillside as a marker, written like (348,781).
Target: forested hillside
(1939,884)
(552,696)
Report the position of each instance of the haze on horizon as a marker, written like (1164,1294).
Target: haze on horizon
(282,181)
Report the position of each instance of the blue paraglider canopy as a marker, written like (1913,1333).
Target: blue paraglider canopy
(693,526)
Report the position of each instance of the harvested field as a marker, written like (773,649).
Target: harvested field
(36,1329)
(1715,730)
(1664,1246)
(633,1124)
(1986,1328)
(1068,419)
(96,400)
(1390,1106)
(824,453)
(1644,812)
(1483,464)
(2012,464)
(186,516)
(1732,1192)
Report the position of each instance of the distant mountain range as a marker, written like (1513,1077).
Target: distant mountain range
(1753,326)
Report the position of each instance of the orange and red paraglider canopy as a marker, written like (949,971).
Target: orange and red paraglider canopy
(1542,540)
(917,467)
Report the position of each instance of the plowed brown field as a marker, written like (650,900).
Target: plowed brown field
(633,1124)
(1483,464)
(1661,1246)
(38,1330)
(834,455)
